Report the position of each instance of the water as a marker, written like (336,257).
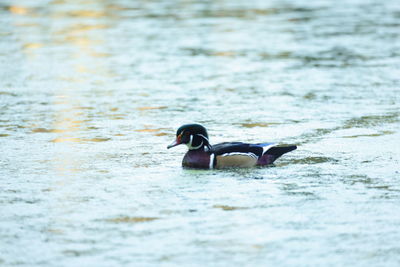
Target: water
(92,91)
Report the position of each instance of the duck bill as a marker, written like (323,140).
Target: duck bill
(175,143)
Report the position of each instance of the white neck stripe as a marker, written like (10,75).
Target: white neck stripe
(189,145)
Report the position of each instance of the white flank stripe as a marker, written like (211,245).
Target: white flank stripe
(212,156)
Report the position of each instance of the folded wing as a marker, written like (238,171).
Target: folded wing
(237,154)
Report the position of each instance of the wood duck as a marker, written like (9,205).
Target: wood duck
(203,155)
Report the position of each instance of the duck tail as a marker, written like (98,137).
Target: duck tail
(274,153)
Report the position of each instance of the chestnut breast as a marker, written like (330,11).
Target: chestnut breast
(196,159)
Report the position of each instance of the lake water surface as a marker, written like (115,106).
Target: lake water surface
(92,91)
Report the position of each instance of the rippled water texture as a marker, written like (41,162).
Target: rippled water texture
(92,91)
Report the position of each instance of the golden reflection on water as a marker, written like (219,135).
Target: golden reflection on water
(69,117)
(228,208)
(256,124)
(87,13)
(43,130)
(78,140)
(29,49)
(18,10)
(148,130)
(150,108)
(32,45)
(153,131)
(381,133)
(225,54)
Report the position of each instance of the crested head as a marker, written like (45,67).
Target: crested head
(192,129)
(193,135)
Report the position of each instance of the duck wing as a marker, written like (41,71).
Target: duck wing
(237,147)
(238,154)
(235,154)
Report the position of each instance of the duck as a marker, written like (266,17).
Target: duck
(202,155)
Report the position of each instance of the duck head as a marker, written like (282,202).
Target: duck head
(194,136)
